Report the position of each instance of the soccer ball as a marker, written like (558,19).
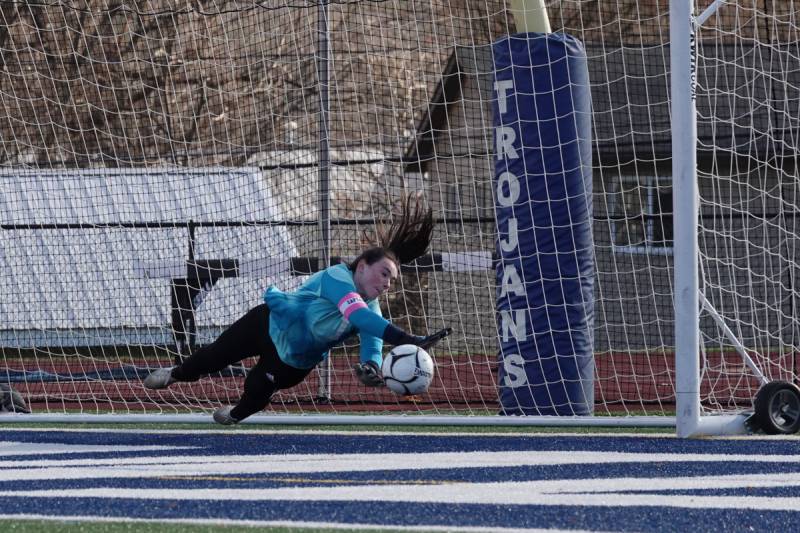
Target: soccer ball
(407,370)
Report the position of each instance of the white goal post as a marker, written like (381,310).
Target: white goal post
(695,210)
(686,208)
(162,164)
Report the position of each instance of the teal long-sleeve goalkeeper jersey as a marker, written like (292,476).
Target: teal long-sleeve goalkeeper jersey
(304,325)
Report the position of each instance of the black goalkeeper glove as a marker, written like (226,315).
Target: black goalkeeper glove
(11,401)
(369,374)
(396,336)
(429,340)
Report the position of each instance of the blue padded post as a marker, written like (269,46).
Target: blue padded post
(543,187)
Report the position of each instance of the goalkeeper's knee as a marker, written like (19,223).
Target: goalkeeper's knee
(12,401)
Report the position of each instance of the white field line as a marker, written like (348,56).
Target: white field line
(9,448)
(621,492)
(196,465)
(164,465)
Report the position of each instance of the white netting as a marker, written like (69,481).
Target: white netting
(748,134)
(139,135)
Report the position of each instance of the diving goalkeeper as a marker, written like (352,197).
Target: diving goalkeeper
(291,333)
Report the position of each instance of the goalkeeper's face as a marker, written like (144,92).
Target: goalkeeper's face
(375,279)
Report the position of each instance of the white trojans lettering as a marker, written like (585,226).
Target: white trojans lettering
(513,323)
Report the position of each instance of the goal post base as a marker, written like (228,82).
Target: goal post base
(716,426)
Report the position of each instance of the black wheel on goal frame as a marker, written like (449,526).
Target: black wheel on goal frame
(777,408)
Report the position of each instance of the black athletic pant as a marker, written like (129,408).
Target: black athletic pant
(247,337)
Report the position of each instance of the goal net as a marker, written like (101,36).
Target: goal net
(162,163)
(748,121)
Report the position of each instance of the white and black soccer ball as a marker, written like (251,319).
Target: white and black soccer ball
(407,369)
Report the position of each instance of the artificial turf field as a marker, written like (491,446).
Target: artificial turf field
(202,478)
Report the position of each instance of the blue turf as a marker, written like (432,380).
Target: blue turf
(577,516)
(424,514)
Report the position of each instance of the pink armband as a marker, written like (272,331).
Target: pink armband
(350,303)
